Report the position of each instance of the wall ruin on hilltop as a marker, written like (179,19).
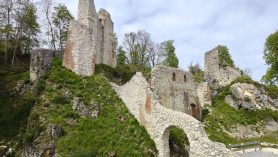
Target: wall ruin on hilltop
(90,40)
(216,75)
(176,90)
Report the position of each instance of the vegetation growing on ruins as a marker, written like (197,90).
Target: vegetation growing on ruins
(197,72)
(225,58)
(223,117)
(115,131)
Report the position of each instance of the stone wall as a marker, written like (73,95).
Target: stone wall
(108,44)
(204,94)
(90,40)
(158,120)
(216,75)
(79,53)
(176,90)
(40,63)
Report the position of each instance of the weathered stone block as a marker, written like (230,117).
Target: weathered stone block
(40,63)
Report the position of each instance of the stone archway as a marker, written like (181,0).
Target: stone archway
(178,143)
(173,148)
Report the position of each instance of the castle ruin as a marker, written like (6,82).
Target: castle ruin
(176,90)
(90,40)
(216,75)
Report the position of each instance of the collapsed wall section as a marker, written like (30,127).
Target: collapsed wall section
(90,40)
(216,75)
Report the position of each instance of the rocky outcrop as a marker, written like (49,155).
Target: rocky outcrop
(254,131)
(250,97)
(44,144)
(90,111)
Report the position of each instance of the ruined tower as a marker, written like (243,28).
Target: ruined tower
(216,75)
(90,40)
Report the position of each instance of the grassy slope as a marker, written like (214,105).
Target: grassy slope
(14,108)
(89,137)
(223,115)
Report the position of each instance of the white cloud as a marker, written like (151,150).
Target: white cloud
(197,26)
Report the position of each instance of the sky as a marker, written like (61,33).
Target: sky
(198,26)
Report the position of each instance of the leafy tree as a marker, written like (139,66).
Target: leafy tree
(6,17)
(168,49)
(197,72)
(61,18)
(30,28)
(139,47)
(225,57)
(121,57)
(271,58)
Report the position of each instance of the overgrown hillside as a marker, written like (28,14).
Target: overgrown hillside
(222,117)
(16,102)
(114,132)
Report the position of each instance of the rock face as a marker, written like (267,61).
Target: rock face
(40,63)
(216,75)
(254,131)
(250,97)
(91,111)
(158,120)
(176,90)
(90,40)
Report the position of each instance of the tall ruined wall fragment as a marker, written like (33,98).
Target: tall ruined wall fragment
(90,40)
(79,52)
(215,74)
(176,90)
(108,43)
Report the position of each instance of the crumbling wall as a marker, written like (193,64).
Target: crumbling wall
(204,94)
(216,75)
(90,40)
(158,120)
(40,63)
(176,90)
(79,52)
(108,44)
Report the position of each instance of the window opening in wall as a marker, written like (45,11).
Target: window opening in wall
(185,79)
(174,77)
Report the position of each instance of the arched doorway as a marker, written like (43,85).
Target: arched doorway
(178,143)
(195,111)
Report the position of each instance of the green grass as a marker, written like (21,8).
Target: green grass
(223,116)
(84,136)
(14,108)
(122,73)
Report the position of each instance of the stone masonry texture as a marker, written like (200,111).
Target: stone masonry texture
(216,75)
(159,120)
(176,90)
(90,40)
